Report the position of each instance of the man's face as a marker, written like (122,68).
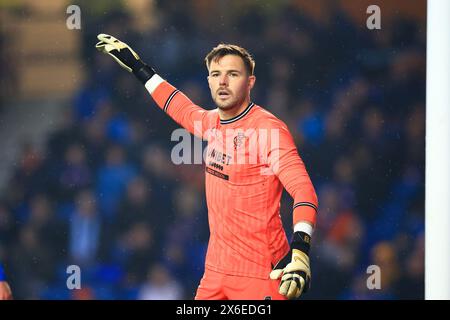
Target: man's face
(229,81)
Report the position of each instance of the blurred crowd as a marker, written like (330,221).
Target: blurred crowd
(104,195)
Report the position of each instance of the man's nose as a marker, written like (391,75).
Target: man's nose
(223,80)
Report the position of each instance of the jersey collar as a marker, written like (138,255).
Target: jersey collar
(239,116)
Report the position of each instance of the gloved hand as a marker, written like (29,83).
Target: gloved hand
(125,56)
(294,269)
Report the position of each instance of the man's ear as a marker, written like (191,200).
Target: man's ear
(251,82)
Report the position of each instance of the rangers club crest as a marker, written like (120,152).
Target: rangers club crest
(238,140)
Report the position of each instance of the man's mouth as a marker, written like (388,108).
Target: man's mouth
(223,94)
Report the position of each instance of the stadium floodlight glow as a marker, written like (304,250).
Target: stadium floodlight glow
(437,200)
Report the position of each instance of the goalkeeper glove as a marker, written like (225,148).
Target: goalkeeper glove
(294,269)
(125,56)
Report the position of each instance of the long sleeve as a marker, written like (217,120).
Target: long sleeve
(180,108)
(286,163)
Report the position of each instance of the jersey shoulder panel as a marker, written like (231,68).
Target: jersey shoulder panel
(263,118)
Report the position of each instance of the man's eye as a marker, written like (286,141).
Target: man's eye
(215,75)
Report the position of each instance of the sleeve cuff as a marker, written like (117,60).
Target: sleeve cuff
(304,211)
(153,83)
(304,227)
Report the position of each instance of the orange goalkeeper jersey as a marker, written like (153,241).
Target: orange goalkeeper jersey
(249,159)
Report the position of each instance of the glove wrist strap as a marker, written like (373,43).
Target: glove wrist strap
(144,73)
(301,241)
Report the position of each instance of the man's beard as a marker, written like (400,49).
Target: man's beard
(228,104)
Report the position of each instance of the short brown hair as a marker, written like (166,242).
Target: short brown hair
(223,49)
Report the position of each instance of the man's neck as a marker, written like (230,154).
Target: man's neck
(233,112)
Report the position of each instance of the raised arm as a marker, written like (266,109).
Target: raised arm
(168,98)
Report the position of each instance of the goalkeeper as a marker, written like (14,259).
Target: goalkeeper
(250,157)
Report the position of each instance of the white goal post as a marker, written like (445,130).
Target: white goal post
(437,194)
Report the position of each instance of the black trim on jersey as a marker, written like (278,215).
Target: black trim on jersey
(307,204)
(239,116)
(166,105)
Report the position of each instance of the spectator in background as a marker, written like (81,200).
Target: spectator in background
(384,255)
(185,240)
(50,230)
(33,263)
(75,174)
(95,141)
(411,285)
(29,175)
(85,230)
(159,170)
(137,207)
(135,250)
(113,177)
(340,235)
(160,286)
